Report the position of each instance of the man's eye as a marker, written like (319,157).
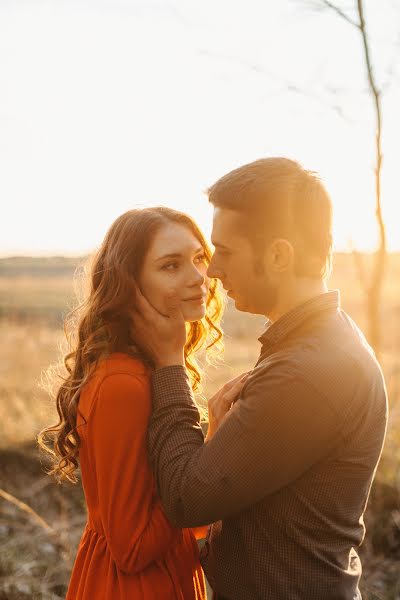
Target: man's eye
(200,259)
(171,266)
(222,252)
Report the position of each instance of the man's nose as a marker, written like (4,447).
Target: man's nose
(211,270)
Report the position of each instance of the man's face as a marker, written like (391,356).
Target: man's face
(243,273)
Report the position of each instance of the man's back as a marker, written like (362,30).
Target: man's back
(299,542)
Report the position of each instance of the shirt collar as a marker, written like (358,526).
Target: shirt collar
(276,332)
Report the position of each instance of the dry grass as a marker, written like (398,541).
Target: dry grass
(26,351)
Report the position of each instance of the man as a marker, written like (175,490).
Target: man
(286,477)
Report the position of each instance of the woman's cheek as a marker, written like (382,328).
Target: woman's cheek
(155,290)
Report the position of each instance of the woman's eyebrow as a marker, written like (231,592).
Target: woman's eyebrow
(170,255)
(177,254)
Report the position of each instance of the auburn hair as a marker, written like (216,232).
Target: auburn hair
(277,197)
(102,324)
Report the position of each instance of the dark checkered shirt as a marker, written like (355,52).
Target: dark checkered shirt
(286,478)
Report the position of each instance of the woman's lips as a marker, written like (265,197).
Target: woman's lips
(199,299)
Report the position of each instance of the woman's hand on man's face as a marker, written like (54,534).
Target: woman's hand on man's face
(220,404)
(163,336)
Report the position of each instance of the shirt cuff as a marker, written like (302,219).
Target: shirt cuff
(171,385)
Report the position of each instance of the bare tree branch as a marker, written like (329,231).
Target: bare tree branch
(33,515)
(373,287)
(341,13)
(290,87)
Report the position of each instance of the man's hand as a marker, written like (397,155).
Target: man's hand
(163,336)
(220,404)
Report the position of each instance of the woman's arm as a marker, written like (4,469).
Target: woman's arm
(136,528)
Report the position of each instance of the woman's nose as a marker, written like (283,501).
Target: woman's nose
(197,277)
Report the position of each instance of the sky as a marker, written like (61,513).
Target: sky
(107,105)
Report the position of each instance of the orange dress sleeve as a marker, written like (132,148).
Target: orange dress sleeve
(135,526)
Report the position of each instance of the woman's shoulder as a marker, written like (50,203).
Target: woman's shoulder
(114,368)
(122,363)
(117,375)
(122,370)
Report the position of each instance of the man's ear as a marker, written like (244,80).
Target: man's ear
(280,255)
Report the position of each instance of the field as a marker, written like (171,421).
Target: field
(41,522)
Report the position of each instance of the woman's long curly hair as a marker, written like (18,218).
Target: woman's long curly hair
(102,324)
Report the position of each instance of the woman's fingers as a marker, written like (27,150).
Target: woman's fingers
(235,380)
(222,401)
(233,392)
(229,391)
(143,305)
(219,405)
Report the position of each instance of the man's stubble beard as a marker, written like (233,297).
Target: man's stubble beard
(267,295)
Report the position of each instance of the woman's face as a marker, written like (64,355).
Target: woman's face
(176,261)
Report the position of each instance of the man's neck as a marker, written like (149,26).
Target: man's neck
(295,296)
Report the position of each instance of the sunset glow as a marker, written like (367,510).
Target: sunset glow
(108,106)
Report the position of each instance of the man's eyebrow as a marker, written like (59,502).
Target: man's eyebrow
(178,254)
(218,245)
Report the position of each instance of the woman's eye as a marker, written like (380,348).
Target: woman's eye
(201,258)
(171,266)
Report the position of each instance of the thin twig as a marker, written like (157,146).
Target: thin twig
(26,508)
(341,13)
(34,516)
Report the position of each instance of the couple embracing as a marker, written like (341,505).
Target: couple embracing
(279,485)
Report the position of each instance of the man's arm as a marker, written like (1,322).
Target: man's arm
(279,428)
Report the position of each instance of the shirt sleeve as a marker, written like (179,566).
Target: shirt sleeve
(279,427)
(135,525)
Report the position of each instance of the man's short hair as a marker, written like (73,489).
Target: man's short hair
(278,198)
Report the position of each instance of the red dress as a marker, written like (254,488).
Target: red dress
(128,549)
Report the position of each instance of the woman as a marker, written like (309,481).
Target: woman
(129,549)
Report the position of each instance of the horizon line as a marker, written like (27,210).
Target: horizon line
(85,254)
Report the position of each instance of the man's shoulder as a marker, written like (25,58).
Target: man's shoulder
(336,360)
